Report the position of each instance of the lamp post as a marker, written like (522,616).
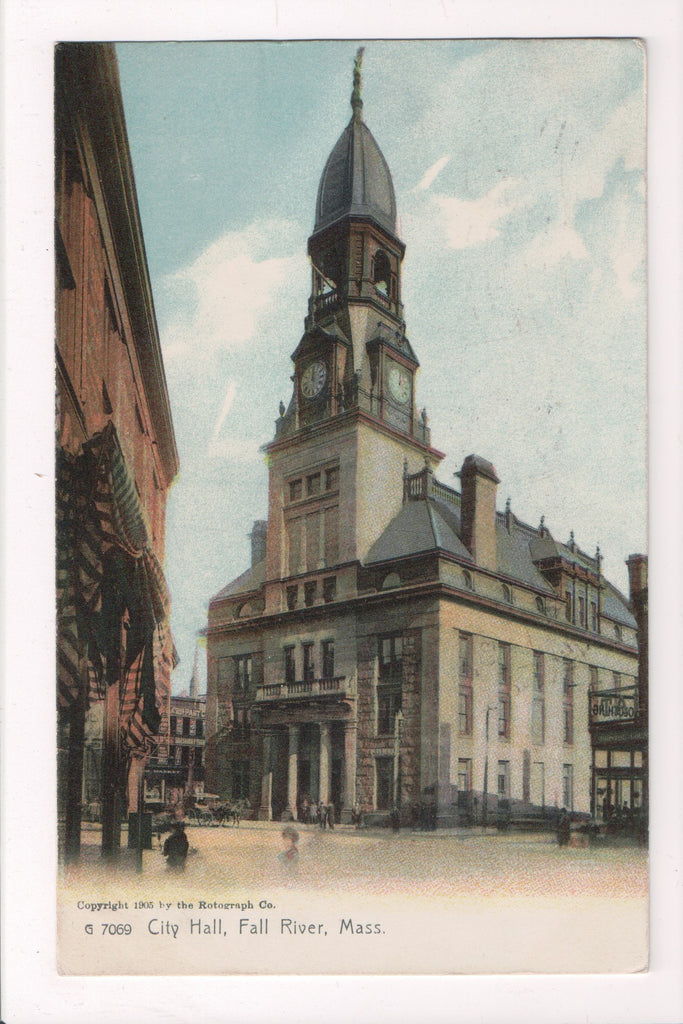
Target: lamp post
(398,730)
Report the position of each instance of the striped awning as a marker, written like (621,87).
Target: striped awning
(107,572)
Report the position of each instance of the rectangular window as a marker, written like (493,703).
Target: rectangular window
(243,671)
(464,774)
(594,616)
(309,593)
(199,732)
(174,725)
(328,659)
(616,680)
(295,490)
(309,665)
(331,536)
(313,553)
(292,598)
(504,779)
(197,757)
(185,755)
(465,684)
(332,479)
(294,544)
(290,666)
(223,665)
(388,705)
(186,726)
(594,683)
(568,605)
(568,701)
(504,691)
(313,484)
(171,753)
(568,786)
(384,783)
(538,701)
(390,658)
(582,612)
(329,589)
(239,771)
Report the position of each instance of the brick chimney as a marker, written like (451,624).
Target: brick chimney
(478,509)
(258,541)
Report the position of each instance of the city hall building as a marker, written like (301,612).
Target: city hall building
(396,642)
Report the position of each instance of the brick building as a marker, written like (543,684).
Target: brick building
(116,458)
(396,642)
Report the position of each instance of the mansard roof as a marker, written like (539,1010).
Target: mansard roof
(247,583)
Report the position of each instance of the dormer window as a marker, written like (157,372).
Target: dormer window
(467,580)
(507,594)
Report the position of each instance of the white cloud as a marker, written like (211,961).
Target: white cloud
(470,222)
(235,449)
(233,283)
(550,246)
(225,409)
(432,173)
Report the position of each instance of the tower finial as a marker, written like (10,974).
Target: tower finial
(356,101)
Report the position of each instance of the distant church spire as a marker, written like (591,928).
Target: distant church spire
(356,101)
(194,681)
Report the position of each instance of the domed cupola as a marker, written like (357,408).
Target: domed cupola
(356,180)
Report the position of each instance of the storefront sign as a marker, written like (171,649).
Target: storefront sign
(613,707)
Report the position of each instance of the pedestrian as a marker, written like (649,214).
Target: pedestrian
(329,815)
(563,828)
(176,847)
(289,858)
(322,815)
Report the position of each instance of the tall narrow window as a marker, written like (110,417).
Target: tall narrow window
(294,543)
(309,665)
(582,612)
(568,786)
(328,659)
(465,684)
(243,671)
(504,779)
(331,536)
(329,589)
(384,783)
(464,774)
(594,684)
(568,611)
(504,691)
(290,667)
(538,700)
(568,701)
(594,616)
(389,685)
(309,593)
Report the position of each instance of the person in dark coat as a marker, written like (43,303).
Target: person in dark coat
(176,847)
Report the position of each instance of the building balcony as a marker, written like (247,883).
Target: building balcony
(305,689)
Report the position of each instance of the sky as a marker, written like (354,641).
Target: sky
(519,170)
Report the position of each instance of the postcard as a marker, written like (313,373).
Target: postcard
(352,594)
(351,518)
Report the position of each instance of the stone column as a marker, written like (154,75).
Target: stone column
(293,774)
(325,761)
(350,739)
(265,811)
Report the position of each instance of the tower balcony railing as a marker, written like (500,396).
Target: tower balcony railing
(302,689)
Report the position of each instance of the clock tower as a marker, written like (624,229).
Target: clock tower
(353,406)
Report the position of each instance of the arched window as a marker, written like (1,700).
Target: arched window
(381,273)
(467,580)
(540,605)
(507,594)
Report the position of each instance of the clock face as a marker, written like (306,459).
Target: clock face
(313,379)
(399,384)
